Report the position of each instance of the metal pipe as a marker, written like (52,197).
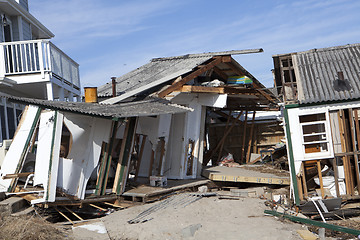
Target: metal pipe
(113,83)
(28,179)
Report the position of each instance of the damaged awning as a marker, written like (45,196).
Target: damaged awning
(148,107)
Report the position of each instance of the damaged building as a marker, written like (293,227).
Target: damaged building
(151,122)
(65,151)
(212,84)
(321,91)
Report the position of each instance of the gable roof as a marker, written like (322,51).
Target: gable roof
(162,70)
(319,74)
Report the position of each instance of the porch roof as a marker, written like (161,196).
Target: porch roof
(148,107)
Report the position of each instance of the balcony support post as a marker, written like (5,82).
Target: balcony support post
(49,91)
(41,59)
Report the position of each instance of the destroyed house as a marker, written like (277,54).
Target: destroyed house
(177,145)
(321,92)
(73,152)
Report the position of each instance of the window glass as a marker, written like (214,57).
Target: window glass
(11,121)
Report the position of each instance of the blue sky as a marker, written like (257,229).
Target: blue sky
(112,37)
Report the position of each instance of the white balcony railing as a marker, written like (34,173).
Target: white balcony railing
(38,56)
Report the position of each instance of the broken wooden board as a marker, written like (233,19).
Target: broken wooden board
(145,193)
(239,174)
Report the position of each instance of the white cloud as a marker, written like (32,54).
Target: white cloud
(120,36)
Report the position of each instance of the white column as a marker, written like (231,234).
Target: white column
(49,91)
(20,27)
(61,94)
(71,97)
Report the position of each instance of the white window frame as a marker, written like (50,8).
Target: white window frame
(327,134)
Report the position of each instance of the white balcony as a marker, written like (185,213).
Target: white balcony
(34,61)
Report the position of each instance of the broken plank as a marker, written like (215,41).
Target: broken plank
(17,175)
(66,217)
(226,174)
(73,213)
(95,206)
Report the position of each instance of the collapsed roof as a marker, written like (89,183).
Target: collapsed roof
(162,76)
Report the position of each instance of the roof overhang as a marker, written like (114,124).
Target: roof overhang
(149,107)
(12,8)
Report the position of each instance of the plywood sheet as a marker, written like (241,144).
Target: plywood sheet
(240,174)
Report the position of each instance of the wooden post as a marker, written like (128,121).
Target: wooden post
(303,177)
(320,179)
(151,162)
(109,157)
(250,138)
(300,189)
(344,150)
(162,150)
(222,144)
(209,154)
(124,159)
(336,175)
(356,149)
(140,156)
(244,138)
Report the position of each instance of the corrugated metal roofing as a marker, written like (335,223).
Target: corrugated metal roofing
(318,71)
(156,71)
(149,107)
(159,71)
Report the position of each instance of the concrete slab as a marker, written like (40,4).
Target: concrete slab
(12,205)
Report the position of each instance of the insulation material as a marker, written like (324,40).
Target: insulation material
(19,147)
(47,155)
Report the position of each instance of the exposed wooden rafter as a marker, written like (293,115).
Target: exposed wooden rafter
(219,90)
(255,84)
(215,61)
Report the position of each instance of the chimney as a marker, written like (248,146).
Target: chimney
(113,82)
(91,94)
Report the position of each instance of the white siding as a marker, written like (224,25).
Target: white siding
(24,4)
(26,30)
(15,29)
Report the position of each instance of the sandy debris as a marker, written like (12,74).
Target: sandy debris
(208,218)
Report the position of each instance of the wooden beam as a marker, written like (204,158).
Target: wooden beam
(17,175)
(123,164)
(151,162)
(336,175)
(221,74)
(222,144)
(95,206)
(244,137)
(255,84)
(66,217)
(250,142)
(219,90)
(215,61)
(303,178)
(320,179)
(140,156)
(73,213)
(356,139)
(162,151)
(210,153)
